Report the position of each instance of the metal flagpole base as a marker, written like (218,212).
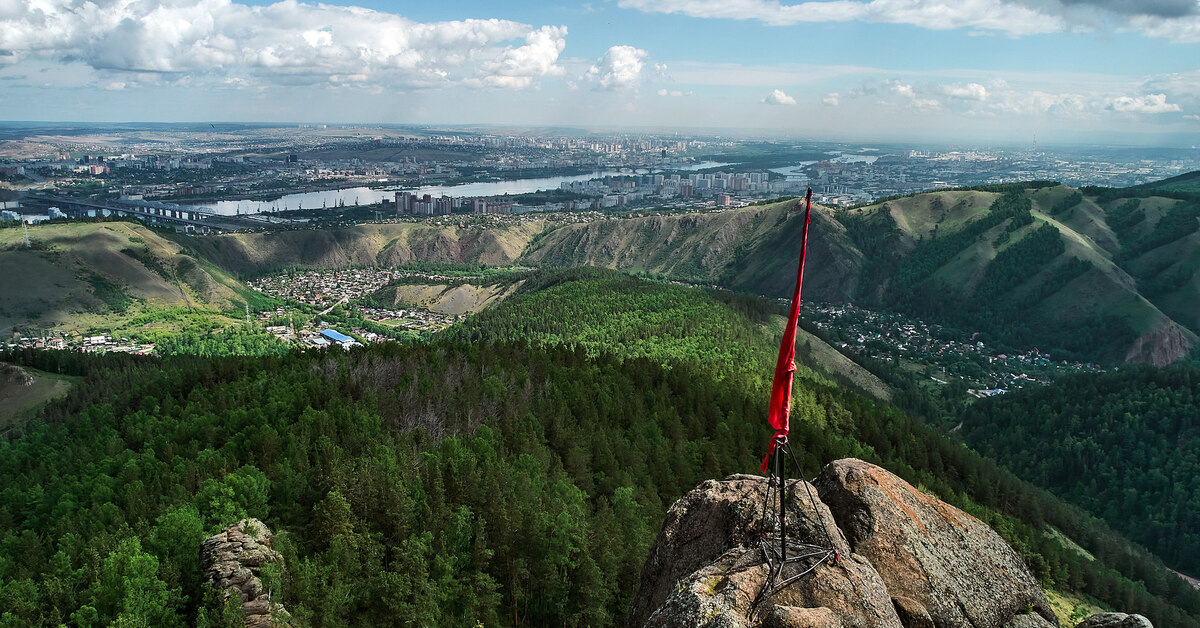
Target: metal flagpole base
(788,559)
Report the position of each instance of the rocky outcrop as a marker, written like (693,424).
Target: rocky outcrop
(943,566)
(1115,620)
(907,559)
(1167,344)
(13,375)
(232,560)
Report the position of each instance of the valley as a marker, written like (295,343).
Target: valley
(918,310)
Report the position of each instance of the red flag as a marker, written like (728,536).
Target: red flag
(785,365)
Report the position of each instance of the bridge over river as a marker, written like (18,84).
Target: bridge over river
(182,217)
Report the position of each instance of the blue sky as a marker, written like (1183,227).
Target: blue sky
(943,70)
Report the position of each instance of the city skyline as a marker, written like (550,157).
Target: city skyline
(981,70)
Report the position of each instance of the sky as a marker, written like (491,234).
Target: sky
(1103,71)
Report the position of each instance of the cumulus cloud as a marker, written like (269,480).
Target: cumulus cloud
(830,99)
(1160,8)
(1180,31)
(286,42)
(994,15)
(909,95)
(619,68)
(675,93)
(777,97)
(1150,103)
(1191,116)
(970,91)
(1173,19)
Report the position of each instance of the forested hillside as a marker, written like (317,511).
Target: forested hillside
(1024,265)
(1124,445)
(498,482)
(1082,275)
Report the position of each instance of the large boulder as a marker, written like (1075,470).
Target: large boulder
(937,561)
(706,568)
(1115,620)
(232,561)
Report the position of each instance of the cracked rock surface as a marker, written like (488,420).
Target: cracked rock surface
(907,560)
(232,559)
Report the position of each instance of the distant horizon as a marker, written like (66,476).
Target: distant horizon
(1187,141)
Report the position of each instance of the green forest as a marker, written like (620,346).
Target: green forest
(513,472)
(1125,445)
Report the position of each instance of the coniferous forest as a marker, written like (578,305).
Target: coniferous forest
(513,473)
(1121,444)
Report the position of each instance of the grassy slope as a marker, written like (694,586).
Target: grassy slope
(245,254)
(445,299)
(754,249)
(102,275)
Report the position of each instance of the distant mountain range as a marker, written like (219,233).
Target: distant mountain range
(1107,274)
(1100,274)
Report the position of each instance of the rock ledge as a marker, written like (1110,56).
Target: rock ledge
(908,560)
(232,560)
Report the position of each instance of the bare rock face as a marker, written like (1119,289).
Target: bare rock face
(944,563)
(907,559)
(231,561)
(1115,620)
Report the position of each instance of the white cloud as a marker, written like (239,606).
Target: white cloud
(286,42)
(115,86)
(995,15)
(909,95)
(1178,30)
(675,93)
(830,99)
(619,68)
(777,97)
(1176,20)
(970,91)
(1191,116)
(537,57)
(1150,103)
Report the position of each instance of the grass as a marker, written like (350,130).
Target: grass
(108,276)
(917,216)
(1066,542)
(1070,608)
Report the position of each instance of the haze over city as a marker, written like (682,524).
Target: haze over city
(1106,71)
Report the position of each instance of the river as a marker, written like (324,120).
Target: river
(368,196)
(796,170)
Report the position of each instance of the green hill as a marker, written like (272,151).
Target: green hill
(1188,182)
(752,249)
(108,275)
(1032,265)
(386,244)
(606,312)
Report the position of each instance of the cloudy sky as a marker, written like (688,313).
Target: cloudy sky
(858,69)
